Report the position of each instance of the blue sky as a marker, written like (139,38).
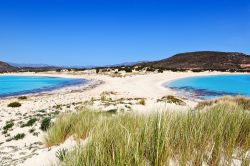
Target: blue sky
(92,32)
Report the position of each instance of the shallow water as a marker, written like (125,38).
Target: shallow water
(212,86)
(16,85)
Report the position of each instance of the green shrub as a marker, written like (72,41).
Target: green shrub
(19,136)
(128,69)
(14,104)
(46,122)
(97,71)
(30,122)
(22,98)
(32,130)
(8,125)
(160,71)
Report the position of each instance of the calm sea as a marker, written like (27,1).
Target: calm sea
(212,86)
(16,85)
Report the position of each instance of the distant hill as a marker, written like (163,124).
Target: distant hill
(196,61)
(20,65)
(204,60)
(5,67)
(12,67)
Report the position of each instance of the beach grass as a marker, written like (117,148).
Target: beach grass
(218,134)
(77,124)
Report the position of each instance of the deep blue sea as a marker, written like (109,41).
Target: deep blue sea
(16,85)
(212,86)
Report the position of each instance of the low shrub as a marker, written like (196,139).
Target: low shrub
(160,71)
(142,101)
(58,106)
(172,99)
(97,71)
(19,136)
(32,130)
(14,104)
(8,125)
(22,98)
(128,69)
(46,122)
(30,122)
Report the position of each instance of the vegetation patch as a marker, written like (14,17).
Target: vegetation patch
(142,101)
(234,101)
(172,99)
(46,122)
(30,122)
(8,125)
(108,93)
(14,104)
(22,98)
(211,136)
(112,111)
(79,124)
(60,154)
(32,130)
(18,136)
(58,106)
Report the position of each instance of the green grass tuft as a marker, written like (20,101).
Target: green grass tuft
(78,124)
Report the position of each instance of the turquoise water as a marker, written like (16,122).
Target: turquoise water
(16,85)
(213,86)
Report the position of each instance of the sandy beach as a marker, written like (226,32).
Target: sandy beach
(30,150)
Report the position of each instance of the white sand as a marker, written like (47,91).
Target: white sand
(147,86)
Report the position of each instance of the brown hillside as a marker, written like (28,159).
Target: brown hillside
(206,60)
(5,67)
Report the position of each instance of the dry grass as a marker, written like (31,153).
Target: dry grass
(215,135)
(172,99)
(233,101)
(78,124)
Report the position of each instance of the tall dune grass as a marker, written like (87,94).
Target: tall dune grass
(77,124)
(215,135)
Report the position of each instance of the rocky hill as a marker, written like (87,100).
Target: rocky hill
(205,60)
(5,67)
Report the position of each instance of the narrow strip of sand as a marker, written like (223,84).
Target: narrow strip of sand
(148,86)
